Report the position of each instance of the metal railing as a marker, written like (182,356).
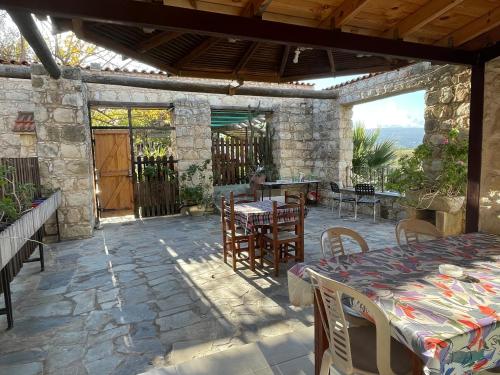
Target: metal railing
(377,177)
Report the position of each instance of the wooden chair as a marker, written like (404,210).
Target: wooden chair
(414,230)
(292,198)
(368,349)
(365,194)
(284,244)
(235,241)
(332,245)
(337,197)
(245,197)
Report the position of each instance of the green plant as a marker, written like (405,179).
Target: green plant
(451,179)
(195,184)
(15,198)
(368,151)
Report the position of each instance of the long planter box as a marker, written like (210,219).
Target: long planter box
(16,235)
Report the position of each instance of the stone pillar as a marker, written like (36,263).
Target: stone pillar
(446,107)
(332,150)
(292,139)
(193,135)
(489,213)
(64,147)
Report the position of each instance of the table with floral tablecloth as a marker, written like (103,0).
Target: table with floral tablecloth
(253,214)
(452,324)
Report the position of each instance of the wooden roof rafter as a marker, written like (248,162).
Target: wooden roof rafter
(197,51)
(84,33)
(342,14)
(424,15)
(157,40)
(255,8)
(472,30)
(246,57)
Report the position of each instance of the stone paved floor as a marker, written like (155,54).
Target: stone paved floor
(150,293)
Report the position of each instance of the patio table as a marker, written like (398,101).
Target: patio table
(452,325)
(253,214)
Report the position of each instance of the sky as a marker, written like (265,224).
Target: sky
(405,110)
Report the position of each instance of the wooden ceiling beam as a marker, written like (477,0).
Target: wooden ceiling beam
(343,14)
(162,17)
(329,53)
(484,40)
(84,33)
(197,51)
(284,60)
(156,41)
(424,15)
(246,57)
(472,30)
(255,8)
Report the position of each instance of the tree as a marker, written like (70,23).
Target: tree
(368,151)
(66,48)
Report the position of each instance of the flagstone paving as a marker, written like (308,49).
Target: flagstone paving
(141,294)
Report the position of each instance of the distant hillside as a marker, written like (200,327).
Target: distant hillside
(403,137)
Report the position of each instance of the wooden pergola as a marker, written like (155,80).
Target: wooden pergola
(284,40)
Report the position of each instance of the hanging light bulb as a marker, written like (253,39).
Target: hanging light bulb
(297,54)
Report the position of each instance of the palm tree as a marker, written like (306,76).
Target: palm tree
(368,151)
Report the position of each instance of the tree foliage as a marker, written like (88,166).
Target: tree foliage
(368,151)
(66,48)
(147,142)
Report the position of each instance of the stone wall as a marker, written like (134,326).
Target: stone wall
(446,99)
(489,214)
(290,119)
(16,95)
(292,123)
(64,147)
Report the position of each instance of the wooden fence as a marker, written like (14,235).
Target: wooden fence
(232,159)
(24,171)
(156,186)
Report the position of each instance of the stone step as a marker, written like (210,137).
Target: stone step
(288,354)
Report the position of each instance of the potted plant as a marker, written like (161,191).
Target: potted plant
(443,191)
(195,187)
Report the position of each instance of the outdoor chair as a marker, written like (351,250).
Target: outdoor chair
(234,239)
(415,231)
(285,240)
(292,198)
(332,244)
(245,197)
(367,349)
(365,194)
(337,197)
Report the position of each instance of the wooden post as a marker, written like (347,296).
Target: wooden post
(475,148)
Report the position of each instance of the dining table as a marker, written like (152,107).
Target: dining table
(253,215)
(451,324)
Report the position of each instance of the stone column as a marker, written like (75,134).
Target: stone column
(446,107)
(193,136)
(64,147)
(489,213)
(332,152)
(292,139)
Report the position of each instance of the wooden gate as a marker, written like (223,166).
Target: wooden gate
(156,186)
(114,171)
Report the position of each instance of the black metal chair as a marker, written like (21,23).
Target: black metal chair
(365,194)
(337,197)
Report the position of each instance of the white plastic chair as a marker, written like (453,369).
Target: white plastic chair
(332,245)
(416,230)
(357,350)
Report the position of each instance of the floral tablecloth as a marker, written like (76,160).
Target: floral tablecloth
(452,324)
(249,215)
